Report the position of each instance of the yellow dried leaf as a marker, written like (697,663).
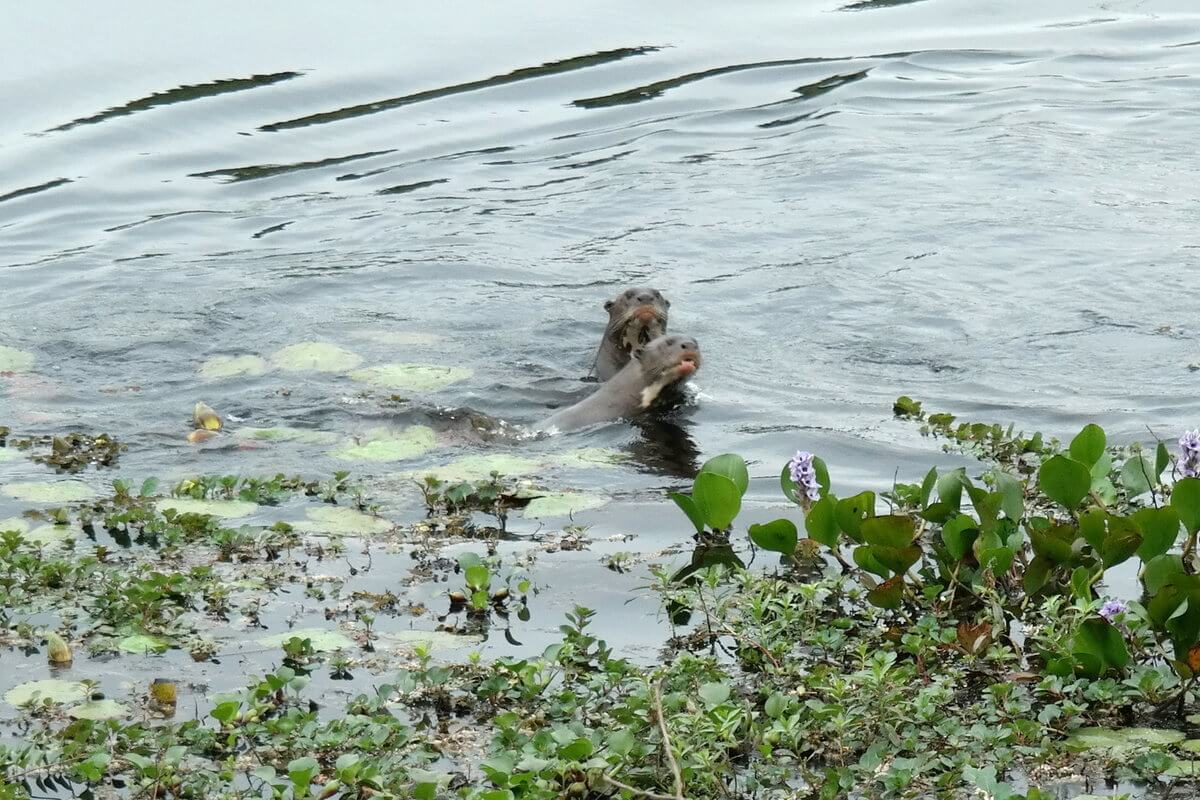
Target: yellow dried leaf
(205,418)
(57,649)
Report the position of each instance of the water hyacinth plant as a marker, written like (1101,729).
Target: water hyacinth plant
(1189,463)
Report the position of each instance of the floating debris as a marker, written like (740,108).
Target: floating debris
(220,367)
(205,418)
(387,445)
(315,357)
(411,377)
(14,360)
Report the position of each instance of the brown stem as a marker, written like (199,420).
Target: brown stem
(666,740)
(611,781)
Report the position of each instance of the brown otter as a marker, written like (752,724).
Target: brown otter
(650,380)
(635,317)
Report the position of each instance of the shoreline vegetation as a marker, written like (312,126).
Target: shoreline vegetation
(961,635)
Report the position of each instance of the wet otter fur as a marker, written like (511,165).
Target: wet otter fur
(635,317)
(650,380)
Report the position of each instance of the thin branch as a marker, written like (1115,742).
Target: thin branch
(754,644)
(666,740)
(611,781)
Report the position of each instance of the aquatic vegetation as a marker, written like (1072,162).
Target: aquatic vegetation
(547,505)
(225,509)
(319,640)
(285,434)
(71,452)
(340,521)
(383,444)
(45,492)
(14,360)
(221,367)
(411,377)
(315,357)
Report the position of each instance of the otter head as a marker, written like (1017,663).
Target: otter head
(635,317)
(666,361)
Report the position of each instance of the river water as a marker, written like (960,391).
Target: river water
(994,207)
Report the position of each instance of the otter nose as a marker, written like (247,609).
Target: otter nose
(645,297)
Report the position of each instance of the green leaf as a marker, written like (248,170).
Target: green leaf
(1162,460)
(1054,544)
(822,473)
(950,486)
(478,577)
(887,594)
(1136,476)
(301,771)
(776,705)
(1159,528)
(851,512)
(788,485)
(959,534)
(896,559)
(689,507)
(1161,571)
(892,530)
(820,522)
(621,741)
(1010,489)
(1081,583)
(1088,446)
(1104,643)
(1185,499)
(1037,574)
(1065,481)
(718,499)
(927,486)
(577,750)
(864,557)
(713,694)
(779,536)
(731,466)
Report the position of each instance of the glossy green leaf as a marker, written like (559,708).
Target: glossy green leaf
(959,534)
(731,466)
(1161,571)
(1159,527)
(1088,445)
(1037,574)
(478,577)
(887,594)
(1081,583)
(891,530)
(689,507)
(1162,460)
(1012,494)
(928,485)
(718,499)
(1102,641)
(779,536)
(1137,476)
(1065,481)
(865,559)
(1185,499)
(851,511)
(820,522)
(950,487)
(713,694)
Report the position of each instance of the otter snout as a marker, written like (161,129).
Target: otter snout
(689,358)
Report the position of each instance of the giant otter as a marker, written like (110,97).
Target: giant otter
(635,317)
(650,379)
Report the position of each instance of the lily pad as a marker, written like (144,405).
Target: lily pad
(323,641)
(302,435)
(411,377)
(340,521)
(9,454)
(562,504)
(143,643)
(42,534)
(432,640)
(225,509)
(1117,740)
(49,492)
(588,458)
(479,468)
(99,709)
(386,445)
(315,357)
(14,360)
(53,689)
(219,367)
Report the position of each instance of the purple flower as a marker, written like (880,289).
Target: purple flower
(1112,608)
(804,474)
(1189,443)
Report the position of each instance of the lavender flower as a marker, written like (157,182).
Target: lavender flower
(1112,608)
(1189,443)
(803,474)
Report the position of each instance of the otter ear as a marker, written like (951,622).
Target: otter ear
(608,304)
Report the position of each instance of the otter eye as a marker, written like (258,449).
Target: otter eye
(608,304)
(683,346)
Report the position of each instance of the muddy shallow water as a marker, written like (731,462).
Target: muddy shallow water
(996,210)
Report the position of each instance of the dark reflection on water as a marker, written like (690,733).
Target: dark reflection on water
(525,73)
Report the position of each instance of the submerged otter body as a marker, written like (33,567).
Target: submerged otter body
(650,380)
(636,316)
